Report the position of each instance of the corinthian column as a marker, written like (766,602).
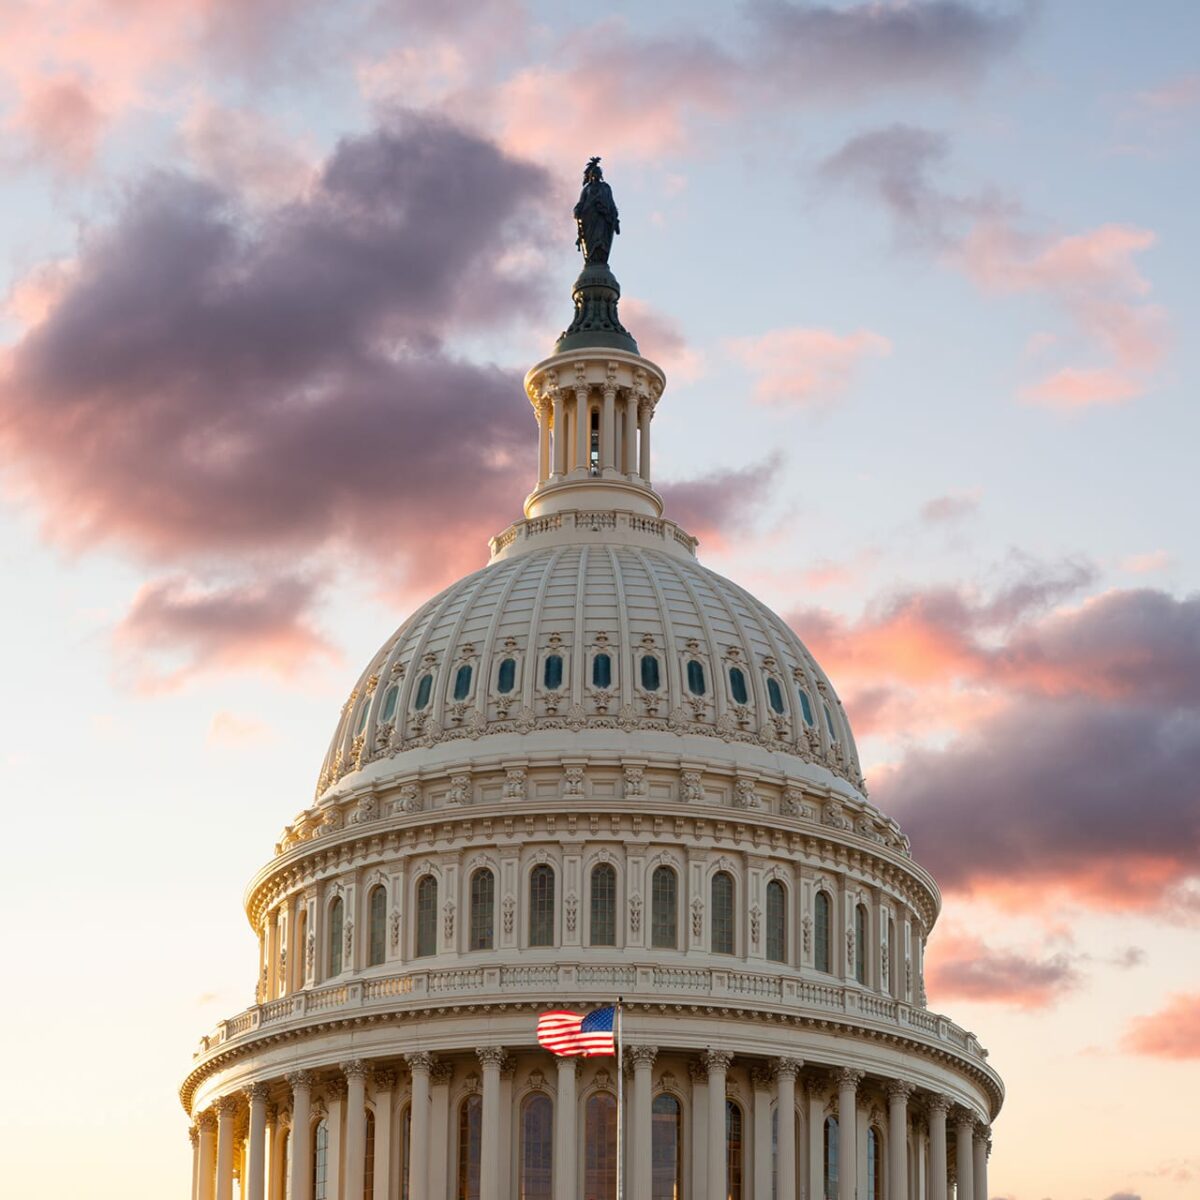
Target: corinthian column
(717,1062)
(645,412)
(608,430)
(983,1147)
(356,1126)
(565,1169)
(418,1130)
(897,1173)
(583,426)
(227,1108)
(848,1081)
(964,1154)
(640,1172)
(194,1138)
(385,1083)
(938,1106)
(631,407)
(557,408)
(256,1148)
(491,1059)
(543,423)
(207,1155)
(786,1070)
(762,1083)
(300,1149)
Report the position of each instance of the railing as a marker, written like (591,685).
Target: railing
(595,520)
(614,976)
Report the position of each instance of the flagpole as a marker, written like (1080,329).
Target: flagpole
(620,1109)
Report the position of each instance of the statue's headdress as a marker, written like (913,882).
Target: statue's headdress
(593,168)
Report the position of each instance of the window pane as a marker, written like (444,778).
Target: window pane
(335,937)
(874,1174)
(362,715)
(829,723)
(462,683)
(426,916)
(821,942)
(860,944)
(600,1147)
(663,908)
(604,906)
(602,671)
(537,1147)
(541,906)
(831,1158)
(389,704)
(506,680)
(405,1152)
(722,913)
(369,1159)
(737,685)
(695,678)
(734,1149)
(666,1148)
(552,676)
(378,924)
(774,695)
(320,1161)
(483,901)
(650,673)
(776,921)
(470,1144)
(806,708)
(424,689)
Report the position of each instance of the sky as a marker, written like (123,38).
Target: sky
(921,277)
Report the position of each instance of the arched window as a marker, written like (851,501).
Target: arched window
(377,925)
(774,695)
(389,704)
(506,677)
(666,1148)
(604,905)
(734,1150)
(552,671)
(424,691)
(776,921)
(369,1159)
(427,890)
(537,1147)
(298,965)
(483,909)
(650,679)
(737,686)
(664,908)
(860,943)
(405,1151)
(541,906)
(806,708)
(874,1165)
(470,1143)
(320,1162)
(462,682)
(831,1158)
(600,1147)
(695,678)
(602,671)
(335,936)
(822,941)
(722,913)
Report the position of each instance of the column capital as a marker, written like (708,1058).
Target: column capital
(717,1060)
(848,1078)
(697,1071)
(491,1056)
(964,1117)
(936,1102)
(441,1072)
(335,1088)
(206,1122)
(355,1069)
(983,1131)
(421,1061)
(899,1089)
(257,1091)
(641,1056)
(788,1066)
(299,1079)
(227,1106)
(762,1077)
(384,1080)
(194,1134)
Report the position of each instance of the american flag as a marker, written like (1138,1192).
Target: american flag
(567,1033)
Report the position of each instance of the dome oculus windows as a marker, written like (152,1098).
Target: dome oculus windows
(737,686)
(389,704)
(650,673)
(462,682)
(552,672)
(695,677)
(602,671)
(806,708)
(774,695)
(506,676)
(424,691)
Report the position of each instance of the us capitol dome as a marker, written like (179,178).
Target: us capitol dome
(593,769)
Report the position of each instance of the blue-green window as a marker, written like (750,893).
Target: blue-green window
(361,720)
(426,916)
(335,936)
(829,723)
(462,682)
(722,913)
(737,685)
(650,672)
(695,678)
(552,674)
(424,690)
(389,704)
(774,695)
(806,708)
(776,921)
(823,934)
(602,671)
(506,679)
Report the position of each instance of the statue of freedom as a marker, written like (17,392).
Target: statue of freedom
(596,215)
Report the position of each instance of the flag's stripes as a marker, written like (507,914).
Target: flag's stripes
(566,1033)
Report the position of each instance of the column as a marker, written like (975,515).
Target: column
(816,1137)
(762,1081)
(300,1144)
(543,420)
(786,1070)
(640,1163)
(631,410)
(356,1126)
(208,1154)
(227,1108)
(983,1147)
(256,1149)
(194,1138)
(385,1084)
(699,1132)
(439,1129)
(848,1081)
(274,1180)
(335,1106)
(964,1154)
(645,412)
(583,431)
(608,430)
(491,1059)
(897,1172)
(274,981)
(937,1147)
(418,1133)
(565,1169)
(717,1062)
(560,432)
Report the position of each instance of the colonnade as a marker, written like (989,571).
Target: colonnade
(620,419)
(247,1130)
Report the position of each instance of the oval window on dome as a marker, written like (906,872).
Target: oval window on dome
(806,707)
(602,671)
(552,674)
(424,691)
(361,720)
(695,678)
(650,680)
(389,704)
(774,695)
(462,682)
(737,685)
(829,723)
(506,677)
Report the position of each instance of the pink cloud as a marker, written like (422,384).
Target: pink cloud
(1173,1032)
(1143,564)
(804,368)
(954,506)
(1173,96)
(1075,387)
(961,966)
(661,340)
(230,730)
(62,121)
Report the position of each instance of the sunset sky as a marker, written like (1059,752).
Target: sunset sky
(923,280)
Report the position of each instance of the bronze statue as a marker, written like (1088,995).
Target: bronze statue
(596,215)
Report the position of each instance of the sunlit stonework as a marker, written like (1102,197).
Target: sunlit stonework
(592,769)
